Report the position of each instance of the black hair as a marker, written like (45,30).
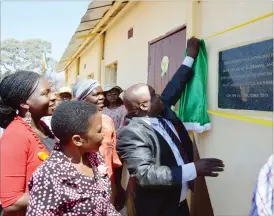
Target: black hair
(70,118)
(14,90)
(119,101)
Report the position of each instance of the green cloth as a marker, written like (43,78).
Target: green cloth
(193,102)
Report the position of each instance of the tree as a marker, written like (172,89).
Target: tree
(27,55)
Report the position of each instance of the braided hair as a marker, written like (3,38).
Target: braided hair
(14,90)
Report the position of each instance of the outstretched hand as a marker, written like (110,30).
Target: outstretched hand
(209,167)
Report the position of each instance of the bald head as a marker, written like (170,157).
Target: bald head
(140,99)
(134,92)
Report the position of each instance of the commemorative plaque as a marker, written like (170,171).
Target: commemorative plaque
(246,77)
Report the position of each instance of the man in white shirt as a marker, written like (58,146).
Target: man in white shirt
(157,148)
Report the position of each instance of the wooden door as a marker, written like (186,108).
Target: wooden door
(173,46)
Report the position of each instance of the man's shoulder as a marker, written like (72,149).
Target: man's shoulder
(130,123)
(132,126)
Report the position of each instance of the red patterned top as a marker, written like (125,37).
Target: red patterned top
(18,160)
(108,147)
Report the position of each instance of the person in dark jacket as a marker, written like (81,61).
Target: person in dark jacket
(157,148)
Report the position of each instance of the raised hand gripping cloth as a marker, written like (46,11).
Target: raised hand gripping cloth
(193,102)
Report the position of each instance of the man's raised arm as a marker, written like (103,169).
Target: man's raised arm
(176,85)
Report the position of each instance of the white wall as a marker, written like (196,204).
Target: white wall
(149,21)
(90,57)
(244,147)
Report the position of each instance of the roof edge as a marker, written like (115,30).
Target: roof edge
(61,66)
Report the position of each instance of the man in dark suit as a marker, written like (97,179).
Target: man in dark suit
(157,148)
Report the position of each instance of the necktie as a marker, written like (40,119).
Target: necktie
(179,145)
(174,139)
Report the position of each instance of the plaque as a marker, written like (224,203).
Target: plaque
(246,77)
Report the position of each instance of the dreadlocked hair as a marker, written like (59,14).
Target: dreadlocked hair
(14,90)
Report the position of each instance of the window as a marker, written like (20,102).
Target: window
(111,74)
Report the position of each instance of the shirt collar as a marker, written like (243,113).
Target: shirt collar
(150,121)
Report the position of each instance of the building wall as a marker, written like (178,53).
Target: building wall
(90,58)
(89,64)
(72,73)
(149,21)
(243,146)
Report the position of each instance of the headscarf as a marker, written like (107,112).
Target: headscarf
(83,88)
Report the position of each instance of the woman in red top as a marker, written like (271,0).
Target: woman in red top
(25,97)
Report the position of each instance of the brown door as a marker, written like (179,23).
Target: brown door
(173,46)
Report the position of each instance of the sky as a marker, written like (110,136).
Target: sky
(53,21)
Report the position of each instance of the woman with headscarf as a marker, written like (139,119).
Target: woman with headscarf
(91,91)
(114,106)
(25,97)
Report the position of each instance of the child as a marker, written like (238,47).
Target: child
(114,107)
(72,180)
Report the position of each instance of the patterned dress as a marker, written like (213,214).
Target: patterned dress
(117,115)
(57,188)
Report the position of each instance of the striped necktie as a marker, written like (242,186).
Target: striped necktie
(179,145)
(174,139)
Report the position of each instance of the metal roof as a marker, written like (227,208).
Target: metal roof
(94,14)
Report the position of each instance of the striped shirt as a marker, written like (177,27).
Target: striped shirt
(263,196)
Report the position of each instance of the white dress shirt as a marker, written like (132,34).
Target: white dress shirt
(188,170)
(188,61)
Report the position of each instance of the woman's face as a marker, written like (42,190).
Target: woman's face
(42,101)
(96,97)
(112,96)
(94,136)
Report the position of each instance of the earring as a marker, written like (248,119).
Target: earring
(28,117)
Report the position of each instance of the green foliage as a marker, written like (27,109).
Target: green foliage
(25,55)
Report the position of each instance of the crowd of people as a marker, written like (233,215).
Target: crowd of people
(63,154)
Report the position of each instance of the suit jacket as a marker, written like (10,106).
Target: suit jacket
(150,160)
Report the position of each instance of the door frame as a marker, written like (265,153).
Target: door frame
(169,33)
